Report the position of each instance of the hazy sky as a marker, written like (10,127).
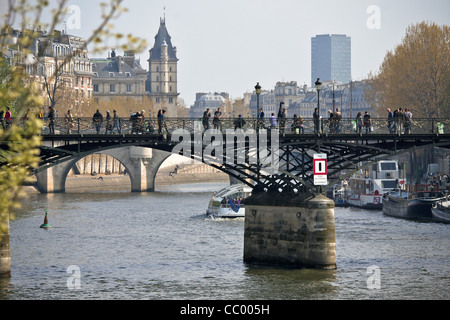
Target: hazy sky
(230,45)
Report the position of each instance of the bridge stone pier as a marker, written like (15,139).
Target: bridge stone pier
(290,231)
(141,165)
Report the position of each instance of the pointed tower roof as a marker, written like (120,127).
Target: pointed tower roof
(162,38)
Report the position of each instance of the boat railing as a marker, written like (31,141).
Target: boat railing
(227,205)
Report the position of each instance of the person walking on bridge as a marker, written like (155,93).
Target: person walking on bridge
(205,119)
(216,120)
(51,120)
(367,122)
(390,121)
(316,119)
(408,121)
(116,122)
(69,121)
(399,120)
(359,122)
(163,122)
(109,124)
(97,119)
(337,120)
(8,117)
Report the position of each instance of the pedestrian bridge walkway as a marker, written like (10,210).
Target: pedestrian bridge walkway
(287,125)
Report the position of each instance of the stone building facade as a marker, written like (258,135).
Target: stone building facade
(118,76)
(59,60)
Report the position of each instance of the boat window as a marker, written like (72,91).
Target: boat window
(388,166)
(389,184)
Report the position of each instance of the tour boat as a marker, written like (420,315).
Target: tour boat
(441,210)
(366,191)
(339,195)
(414,203)
(229,202)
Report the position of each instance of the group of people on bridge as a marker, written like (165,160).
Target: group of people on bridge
(400,121)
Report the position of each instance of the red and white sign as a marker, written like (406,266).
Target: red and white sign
(320,170)
(320,167)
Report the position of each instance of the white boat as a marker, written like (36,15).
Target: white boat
(366,190)
(441,210)
(229,202)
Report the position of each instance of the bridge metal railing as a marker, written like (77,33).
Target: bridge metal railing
(287,126)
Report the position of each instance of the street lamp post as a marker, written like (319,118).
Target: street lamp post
(258,92)
(318,88)
(334,100)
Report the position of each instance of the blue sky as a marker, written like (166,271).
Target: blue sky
(229,45)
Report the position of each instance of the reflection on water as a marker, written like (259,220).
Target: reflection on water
(291,284)
(162,246)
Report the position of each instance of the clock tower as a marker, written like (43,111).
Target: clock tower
(162,80)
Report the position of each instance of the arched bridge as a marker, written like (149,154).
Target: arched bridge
(265,155)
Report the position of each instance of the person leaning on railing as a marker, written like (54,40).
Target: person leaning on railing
(260,123)
(297,125)
(407,118)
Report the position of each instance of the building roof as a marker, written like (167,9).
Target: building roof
(211,97)
(163,38)
(104,67)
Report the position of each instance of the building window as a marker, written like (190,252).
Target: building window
(170,100)
(128,87)
(95,87)
(112,88)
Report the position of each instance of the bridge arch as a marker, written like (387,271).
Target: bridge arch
(141,164)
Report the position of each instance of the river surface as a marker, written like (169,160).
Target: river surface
(118,245)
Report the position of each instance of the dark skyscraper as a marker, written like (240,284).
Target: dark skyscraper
(331,58)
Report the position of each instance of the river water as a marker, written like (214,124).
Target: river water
(162,246)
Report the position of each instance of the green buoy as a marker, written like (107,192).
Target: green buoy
(46,225)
